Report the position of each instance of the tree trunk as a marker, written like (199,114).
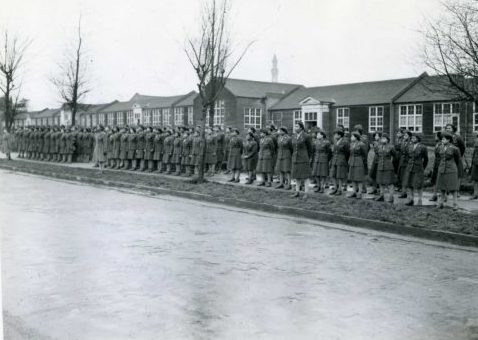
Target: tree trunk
(202,157)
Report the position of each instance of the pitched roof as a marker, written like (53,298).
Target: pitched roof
(375,92)
(187,100)
(257,89)
(429,88)
(45,113)
(156,101)
(114,107)
(94,108)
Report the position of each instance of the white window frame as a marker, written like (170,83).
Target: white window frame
(445,113)
(275,120)
(130,117)
(219,112)
(166,116)
(101,119)
(343,117)
(375,119)
(178,116)
(410,117)
(190,113)
(251,114)
(147,117)
(110,118)
(156,117)
(120,118)
(297,116)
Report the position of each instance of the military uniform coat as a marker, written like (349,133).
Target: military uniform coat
(177,150)
(414,175)
(322,157)
(197,150)
(358,162)
(149,146)
(140,145)
(301,152)
(265,162)
(447,178)
(124,146)
(234,162)
(220,147)
(460,145)
(386,155)
(402,152)
(211,149)
(474,163)
(7,142)
(284,154)
(99,153)
(132,146)
(116,145)
(186,154)
(158,147)
(249,155)
(339,162)
(168,149)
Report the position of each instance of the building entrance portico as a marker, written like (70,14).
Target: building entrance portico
(312,111)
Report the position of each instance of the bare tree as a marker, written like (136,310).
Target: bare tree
(72,82)
(210,54)
(12,56)
(451,48)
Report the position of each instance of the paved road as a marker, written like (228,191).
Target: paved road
(80,262)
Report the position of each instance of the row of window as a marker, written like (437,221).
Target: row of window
(149,117)
(411,117)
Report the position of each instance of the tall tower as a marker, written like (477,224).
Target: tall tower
(275,70)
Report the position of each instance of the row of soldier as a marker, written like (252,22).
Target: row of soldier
(300,156)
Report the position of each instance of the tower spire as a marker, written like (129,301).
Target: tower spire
(275,70)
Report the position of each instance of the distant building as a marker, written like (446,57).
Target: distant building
(245,103)
(423,105)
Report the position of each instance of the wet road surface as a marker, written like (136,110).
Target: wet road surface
(82,262)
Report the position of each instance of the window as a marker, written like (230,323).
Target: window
(94,120)
(178,116)
(411,117)
(111,119)
(219,112)
(82,121)
(119,118)
(252,117)
(137,116)
(147,117)
(155,116)
(129,117)
(343,117)
(297,116)
(190,115)
(88,120)
(101,119)
(375,118)
(276,118)
(445,113)
(166,117)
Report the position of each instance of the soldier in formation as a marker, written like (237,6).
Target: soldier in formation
(300,158)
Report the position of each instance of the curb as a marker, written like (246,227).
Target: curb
(436,235)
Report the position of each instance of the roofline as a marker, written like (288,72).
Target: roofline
(263,82)
(409,86)
(362,82)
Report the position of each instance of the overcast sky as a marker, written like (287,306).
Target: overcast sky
(137,46)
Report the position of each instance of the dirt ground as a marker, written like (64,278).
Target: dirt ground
(426,217)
